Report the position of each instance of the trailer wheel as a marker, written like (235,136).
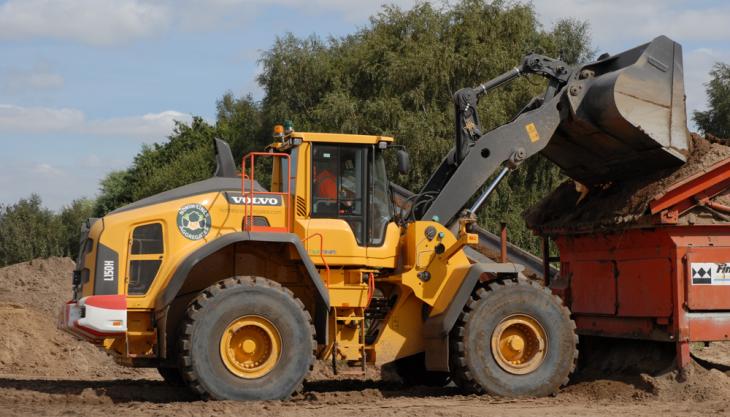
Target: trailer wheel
(246,338)
(514,338)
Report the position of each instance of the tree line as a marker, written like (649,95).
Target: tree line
(395,76)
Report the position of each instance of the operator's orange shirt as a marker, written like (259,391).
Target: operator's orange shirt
(326,185)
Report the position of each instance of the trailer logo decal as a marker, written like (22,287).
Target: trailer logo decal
(708,273)
(193,221)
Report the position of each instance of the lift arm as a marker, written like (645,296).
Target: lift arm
(619,117)
(477,156)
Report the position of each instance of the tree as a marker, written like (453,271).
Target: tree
(71,218)
(716,119)
(29,231)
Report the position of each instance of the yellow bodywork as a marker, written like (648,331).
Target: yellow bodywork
(420,265)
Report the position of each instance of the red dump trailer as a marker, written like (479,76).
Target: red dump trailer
(664,279)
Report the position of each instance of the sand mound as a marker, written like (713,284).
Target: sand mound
(31,294)
(620,203)
(30,345)
(41,284)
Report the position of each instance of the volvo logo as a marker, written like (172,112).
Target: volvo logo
(257,200)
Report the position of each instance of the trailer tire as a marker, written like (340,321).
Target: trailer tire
(246,338)
(513,339)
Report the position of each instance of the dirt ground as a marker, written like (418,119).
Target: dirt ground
(44,372)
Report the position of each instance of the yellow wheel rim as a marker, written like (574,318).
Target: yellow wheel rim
(519,344)
(250,347)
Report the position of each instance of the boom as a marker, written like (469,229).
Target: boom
(620,116)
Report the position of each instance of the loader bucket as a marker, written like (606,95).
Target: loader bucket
(626,116)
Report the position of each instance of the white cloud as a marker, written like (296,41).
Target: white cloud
(39,77)
(697,66)
(38,119)
(108,22)
(47,169)
(615,22)
(147,127)
(97,22)
(57,182)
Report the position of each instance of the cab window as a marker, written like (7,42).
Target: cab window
(145,257)
(338,185)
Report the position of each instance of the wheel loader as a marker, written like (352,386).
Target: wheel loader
(236,287)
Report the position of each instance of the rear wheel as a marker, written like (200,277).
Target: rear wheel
(514,338)
(246,338)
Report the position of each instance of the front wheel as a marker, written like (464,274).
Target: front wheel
(246,338)
(514,338)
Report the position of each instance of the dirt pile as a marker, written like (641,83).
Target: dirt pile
(41,284)
(618,204)
(31,295)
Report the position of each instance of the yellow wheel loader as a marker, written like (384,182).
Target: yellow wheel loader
(235,287)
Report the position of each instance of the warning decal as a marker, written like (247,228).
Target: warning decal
(707,273)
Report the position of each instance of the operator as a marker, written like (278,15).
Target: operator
(326,183)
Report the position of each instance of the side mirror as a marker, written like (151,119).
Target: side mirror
(404,161)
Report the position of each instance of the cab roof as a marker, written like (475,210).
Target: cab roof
(339,138)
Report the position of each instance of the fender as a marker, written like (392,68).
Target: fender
(166,297)
(436,329)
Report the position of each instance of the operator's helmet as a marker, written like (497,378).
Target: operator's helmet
(193,221)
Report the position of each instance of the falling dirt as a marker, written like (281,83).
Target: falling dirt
(45,372)
(619,204)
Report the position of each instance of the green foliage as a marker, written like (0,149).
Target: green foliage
(239,122)
(29,231)
(716,120)
(71,218)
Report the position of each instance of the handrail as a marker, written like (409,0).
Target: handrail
(321,254)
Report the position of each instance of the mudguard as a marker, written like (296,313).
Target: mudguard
(166,297)
(436,328)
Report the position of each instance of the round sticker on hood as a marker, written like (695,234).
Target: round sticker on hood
(193,220)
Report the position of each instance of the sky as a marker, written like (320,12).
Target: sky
(84,83)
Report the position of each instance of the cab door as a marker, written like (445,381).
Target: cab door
(339,204)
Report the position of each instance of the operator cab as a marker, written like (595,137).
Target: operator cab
(345,196)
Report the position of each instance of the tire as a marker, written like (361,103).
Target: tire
(475,363)
(172,376)
(208,322)
(412,371)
